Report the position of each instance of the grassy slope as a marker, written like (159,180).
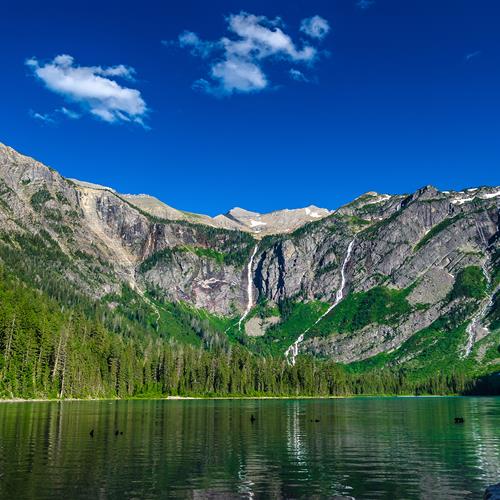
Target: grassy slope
(436,349)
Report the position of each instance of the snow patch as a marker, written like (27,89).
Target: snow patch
(311,213)
(256,223)
(490,195)
(485,196)
(462,201)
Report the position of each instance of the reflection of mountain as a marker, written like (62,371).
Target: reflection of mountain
(364,448)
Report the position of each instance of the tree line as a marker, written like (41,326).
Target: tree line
(55,351)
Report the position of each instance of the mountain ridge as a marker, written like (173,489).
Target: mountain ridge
(260,224)
(419,260)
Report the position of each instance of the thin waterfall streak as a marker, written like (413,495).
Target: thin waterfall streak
(292,352)
(249,288)
(477,318)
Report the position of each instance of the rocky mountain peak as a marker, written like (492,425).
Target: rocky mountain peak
(238,212)
(426,193)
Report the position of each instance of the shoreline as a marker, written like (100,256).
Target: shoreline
(231,398)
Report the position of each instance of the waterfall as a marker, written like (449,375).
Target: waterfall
(478,317)
(249,288)
(292,352)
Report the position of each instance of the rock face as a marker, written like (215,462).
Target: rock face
(278,222)
(419,242)
(256,327)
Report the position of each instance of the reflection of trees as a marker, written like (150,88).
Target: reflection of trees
(398,448)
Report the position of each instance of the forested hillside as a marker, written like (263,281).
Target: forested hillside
(388,294)
(53,351)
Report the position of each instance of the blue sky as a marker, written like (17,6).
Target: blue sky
(210,105)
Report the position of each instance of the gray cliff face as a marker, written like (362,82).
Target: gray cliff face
(398,251)
(420,241)
(204,283)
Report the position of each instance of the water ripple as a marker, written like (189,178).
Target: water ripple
(354,448)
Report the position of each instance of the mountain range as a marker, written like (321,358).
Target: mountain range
(405,280)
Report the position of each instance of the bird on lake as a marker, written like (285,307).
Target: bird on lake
(117,432)
(91,433)
(459,420)
(252,418)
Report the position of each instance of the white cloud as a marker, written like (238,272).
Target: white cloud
(198,47)
(297,75)
(54,116)
(236,61)
(91,89)
(43,117)
(73,115)
(237,75)
(261,38)
(315,27)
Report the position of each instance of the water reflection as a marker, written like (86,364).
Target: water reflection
(355,448)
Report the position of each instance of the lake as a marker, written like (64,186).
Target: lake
(342,448)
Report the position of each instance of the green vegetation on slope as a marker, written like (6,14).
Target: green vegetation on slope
(295,318)
(495,261)
(38,260)
(438,349)
(48,351)
(494,313)
(165,256)
(379,305)
(470,282)
(40,198)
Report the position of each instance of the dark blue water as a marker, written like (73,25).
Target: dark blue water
(360,448)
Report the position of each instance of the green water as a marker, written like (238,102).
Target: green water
(363,448)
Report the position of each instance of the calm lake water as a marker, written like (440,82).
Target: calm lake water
(360,448)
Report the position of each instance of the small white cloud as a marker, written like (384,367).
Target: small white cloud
(365,4)
(261,37)
(198,47)
(236,61)
(237,75)
(92,88)
(315,27)
(73,115)
(297,75)
(43,117)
